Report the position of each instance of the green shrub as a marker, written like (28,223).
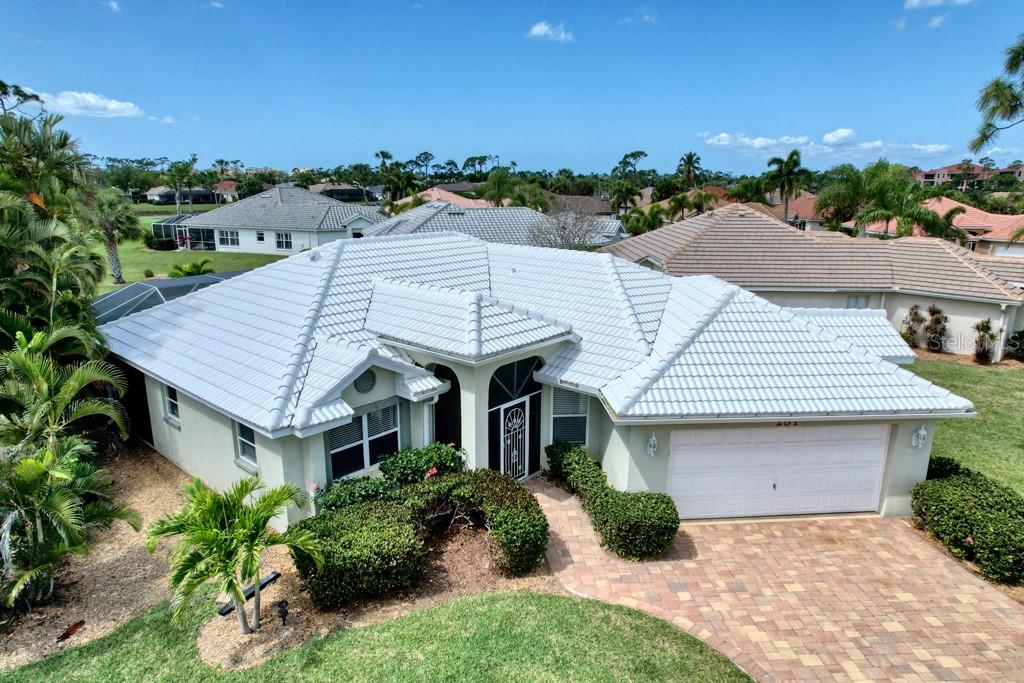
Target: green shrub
(368,549)
(411,465)
(159,243)
(977,519)
(344,492)
(518,527)
(556,456)
(148,273)
(633,525)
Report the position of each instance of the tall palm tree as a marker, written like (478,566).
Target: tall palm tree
(689,168)
(115,221)
(220,538)
(49,401)
(383,157)
(787,176)
(179,177)
(50,503)
(624,194)
(678,205)
(200,267)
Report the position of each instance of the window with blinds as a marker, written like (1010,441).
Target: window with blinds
(363,442)
(569,411)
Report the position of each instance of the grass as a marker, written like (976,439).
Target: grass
(489,637)
(993,442)
(169,209)
(136,259)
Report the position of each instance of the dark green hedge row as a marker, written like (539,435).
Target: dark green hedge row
(633,525)
(975,517)
(368,549)
(517,524)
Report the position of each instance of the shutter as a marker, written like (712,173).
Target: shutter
(383,420)
(565,402)
(345,435)
(569,429)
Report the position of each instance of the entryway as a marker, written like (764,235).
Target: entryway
(513,419)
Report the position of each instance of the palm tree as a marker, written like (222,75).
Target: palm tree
(1002,99)
(220,538)
(48,401)
(383,157)
(946,229)
(843,193)
(689,168)
(906,209)
(677,206)
(180,176)
(50,503)
(67,341)
(42,162)
(637,222)
(55,274)
(748,189)
(499,186)
(115,221)
(786,175)
(701,201)
(200,267)
(624,194)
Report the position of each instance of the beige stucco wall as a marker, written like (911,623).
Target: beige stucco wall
(818,299)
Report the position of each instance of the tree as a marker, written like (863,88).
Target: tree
(748,189)
(399,183)
(624,194)
(787,176)
(383,157)
(499,186)
(637,222)
(179,177)
(571,228)
(1001,100)
(529,195)
(200,267)
(423,160)
(249,184)
(361,174)
(843,194)
(57,275)
(47,401)
(678,205)
(689,168)
(50,502)
(220,537)
(629,162)
(41,162)
(702,201)
(13,97)
(115,221)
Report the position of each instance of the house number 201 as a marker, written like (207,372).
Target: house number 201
(786,424)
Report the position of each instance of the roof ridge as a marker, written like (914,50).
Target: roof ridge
(476,341)
(659,369)
(620,290)
(994,280)
(301,347)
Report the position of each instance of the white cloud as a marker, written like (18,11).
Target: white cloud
(936,21)
(554,32)
(641,16)
(900,24)
(839,136)
(925,4)
(744,141)
(931,148)
(216,4)
(162,119)
(794,140)
(89,104)
(870,145)
(113,5)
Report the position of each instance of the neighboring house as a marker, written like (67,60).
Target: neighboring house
(508,224)
(802,213)
(281,220)
(226,190)
(317,366)
(436,194)
(343,192)
(461,186)
(163,194)
(831,270)
(587,204)
(971,174)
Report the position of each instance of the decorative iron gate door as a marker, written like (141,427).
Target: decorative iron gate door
(514,439)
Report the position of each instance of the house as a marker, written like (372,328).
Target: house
(832,270)
(226,190)
(278,221)
(802,213)
(436,194)
(462,186)
(970,175)
(988,233)
(316,366)
(586,204)
(163,194)
(343,192)
(508,224)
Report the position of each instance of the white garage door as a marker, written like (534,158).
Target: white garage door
(785,470)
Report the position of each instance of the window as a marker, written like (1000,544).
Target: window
(363,442)
(171,402)
(284,240)
(246,443)
(259,235)
(569,416)
(858,301)
(227,238)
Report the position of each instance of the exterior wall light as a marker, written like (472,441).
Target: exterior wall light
(919,437)
(652,445)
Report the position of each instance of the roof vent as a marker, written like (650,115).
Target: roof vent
(314,256)
(456,212)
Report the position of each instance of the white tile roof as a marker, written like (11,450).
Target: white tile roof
(273,347)
(866,329)
(285,208)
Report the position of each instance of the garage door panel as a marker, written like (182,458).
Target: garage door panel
(814,469)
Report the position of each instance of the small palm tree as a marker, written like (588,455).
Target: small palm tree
(220,538)
(47,401)
(115,221)
(53,274)
(624,194)
(702,201)
(50,502)
(200,267)
(678,205)
(787,176)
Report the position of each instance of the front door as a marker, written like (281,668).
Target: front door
(515,438)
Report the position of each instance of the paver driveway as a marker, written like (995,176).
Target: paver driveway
(841,598)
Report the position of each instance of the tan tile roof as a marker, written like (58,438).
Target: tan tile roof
(802,206)
(739,244)
(1009,268)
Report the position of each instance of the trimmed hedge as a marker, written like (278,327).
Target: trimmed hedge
(411,465)
(517,524)
(344,492)
(159,243)
(633,525)
(368,549)
(974,517)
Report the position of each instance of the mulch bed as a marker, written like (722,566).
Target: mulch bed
(117,580)
(968,359)
(458,564)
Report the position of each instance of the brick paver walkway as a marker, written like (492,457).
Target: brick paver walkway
(837,598)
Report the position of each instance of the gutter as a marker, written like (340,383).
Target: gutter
(839,417)
(895,290)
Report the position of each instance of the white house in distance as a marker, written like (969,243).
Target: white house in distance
(316,366)
(790,267)
(281,220)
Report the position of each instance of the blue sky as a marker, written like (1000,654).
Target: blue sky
(547,84)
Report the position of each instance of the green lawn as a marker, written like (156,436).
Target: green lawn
(136,258)
(488,637)
(169,209)
(993,442)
